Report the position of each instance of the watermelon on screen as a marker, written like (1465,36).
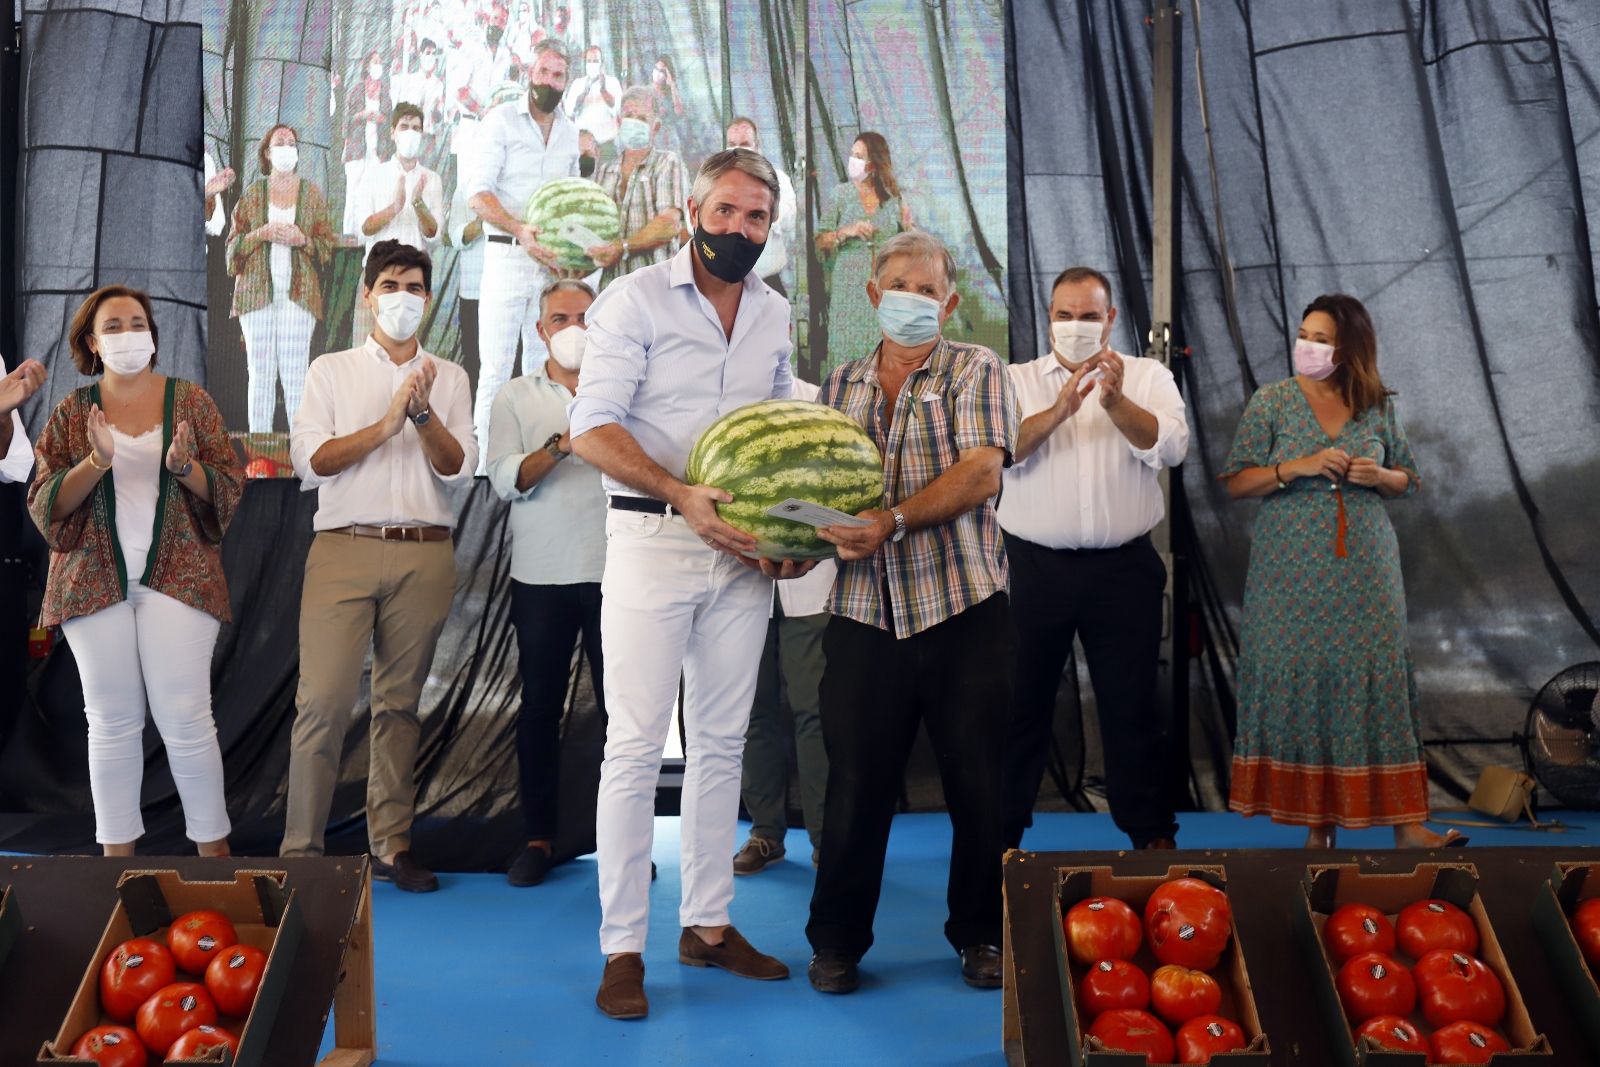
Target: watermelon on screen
(767,452)
(573,215)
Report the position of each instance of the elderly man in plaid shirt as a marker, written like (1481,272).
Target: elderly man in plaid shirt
(920,626)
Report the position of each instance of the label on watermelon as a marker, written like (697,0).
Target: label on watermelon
(813,514)
(579,234)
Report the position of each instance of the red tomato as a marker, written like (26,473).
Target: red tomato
(1179,994)
(198,936)
(1430,924)
(1129,1030)
(1586,928)
(173,1012)
(1466,1043)
(1188,922)
(1101,928)
(1374,984)
(1206,1035)
(134,970)
(1112,984)
(111,1046)
(1357,928)
(233,976)
(199,1040)
(1392,1034)
(1455,987)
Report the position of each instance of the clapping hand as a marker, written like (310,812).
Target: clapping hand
(1111,368)
(420,384)
(399,202)
(181,451)
(19,385)
(1073,394)
(102,447)
(219,182)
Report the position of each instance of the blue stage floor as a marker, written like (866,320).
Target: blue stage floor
(482,973)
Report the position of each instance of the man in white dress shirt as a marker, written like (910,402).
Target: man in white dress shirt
(558,554)
(400,200)
(518,148)
(383,435)
(1077,510)
(671,348)
(595,102)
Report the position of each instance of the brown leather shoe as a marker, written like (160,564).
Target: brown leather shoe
(406,873)
(621,994)
(735,955)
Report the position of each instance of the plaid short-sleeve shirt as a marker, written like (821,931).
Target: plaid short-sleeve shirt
(961,398)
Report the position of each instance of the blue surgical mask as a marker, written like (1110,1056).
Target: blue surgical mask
(633,134)
(909,319)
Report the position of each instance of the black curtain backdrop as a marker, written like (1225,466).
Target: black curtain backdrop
(1440,161)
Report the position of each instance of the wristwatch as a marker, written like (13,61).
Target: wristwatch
(553,446)
(899,524)
(626,252)
(420,419)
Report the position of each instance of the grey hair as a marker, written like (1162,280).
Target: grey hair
(730,159)
(641,92)
(551,47)
(919,244)
(564,285)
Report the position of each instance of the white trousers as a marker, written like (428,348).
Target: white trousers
(508,310)
(277,345)
(670,605)
(149,645)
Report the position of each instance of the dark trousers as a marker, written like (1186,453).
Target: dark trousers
(468,324)
(1111,599)
(549,620)
(956,678)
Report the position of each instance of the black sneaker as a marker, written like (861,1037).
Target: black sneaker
(532,864)
(833,972)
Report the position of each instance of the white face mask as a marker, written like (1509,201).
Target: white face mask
(566,346)
(1076,341)
(284,157)
(408,143)
(126,353)
(399,315)
(592,68)
(856,168)
(633,134)
(375,70)
(429,62)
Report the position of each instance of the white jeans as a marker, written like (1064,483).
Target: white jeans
(508,309)
(277,345)
(149,644)
(670,605)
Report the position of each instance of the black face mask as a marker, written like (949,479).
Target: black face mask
(546,97)
(493,35)
(729,256)
(585,165)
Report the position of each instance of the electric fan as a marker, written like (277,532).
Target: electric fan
(1561,738)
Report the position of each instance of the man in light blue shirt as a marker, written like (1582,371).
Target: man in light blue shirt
(671,347)
(518,147)
(558,553)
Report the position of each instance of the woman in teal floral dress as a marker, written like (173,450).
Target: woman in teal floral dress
(861,214)
(1328,728)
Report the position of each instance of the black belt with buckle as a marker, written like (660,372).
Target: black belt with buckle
(645,504)
(502,239)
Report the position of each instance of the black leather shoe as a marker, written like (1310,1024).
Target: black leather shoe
(531,866)
(980,966)
(406,873)
(833,972)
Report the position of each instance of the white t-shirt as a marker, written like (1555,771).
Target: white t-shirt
(281,262)
(136,472)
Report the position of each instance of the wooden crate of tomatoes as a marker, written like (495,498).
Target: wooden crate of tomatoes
(1566,916)
(1410,971)
(186,972)
(1152,970)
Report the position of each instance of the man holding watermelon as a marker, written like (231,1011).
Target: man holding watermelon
(920,627)
(670,348)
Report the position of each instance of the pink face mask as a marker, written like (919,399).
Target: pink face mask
(1313,359)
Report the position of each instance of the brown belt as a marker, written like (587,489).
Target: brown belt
(397,533)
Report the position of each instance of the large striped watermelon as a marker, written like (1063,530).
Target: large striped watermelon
(767,452)
(573,214)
